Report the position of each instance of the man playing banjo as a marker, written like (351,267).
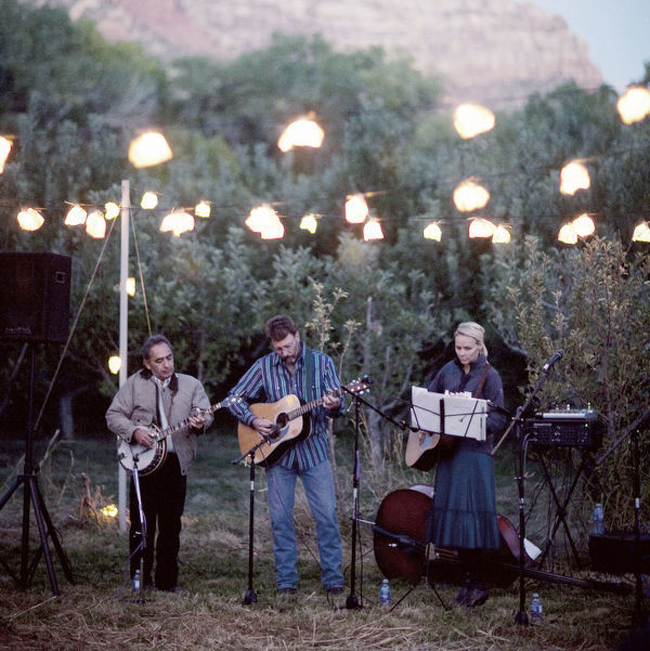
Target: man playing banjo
(156,395)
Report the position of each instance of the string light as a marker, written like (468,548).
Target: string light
(76,216)
(178,222)
(111,210)
(501,235)
(481,228)
(356,209)
(641,232)
(309,223)
(432,232)
(273,228)
(470,196)
(634,104)
(567,234)
(5,148)
(114,364)
(304,132)
(470,120)
(130,286)
(30,219)
(583,225)
(96,224)
(372,231)
(149,201)
(149,149)
(260,218)
(202,209)
(573,177)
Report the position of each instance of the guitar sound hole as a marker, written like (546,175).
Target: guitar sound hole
(280,423)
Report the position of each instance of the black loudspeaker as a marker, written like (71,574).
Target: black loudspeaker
(34,296)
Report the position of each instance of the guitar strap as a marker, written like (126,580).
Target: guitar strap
(479,388)
(308,376)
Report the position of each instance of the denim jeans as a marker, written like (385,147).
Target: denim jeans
(319,488)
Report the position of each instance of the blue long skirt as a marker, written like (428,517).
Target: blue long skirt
(463,513)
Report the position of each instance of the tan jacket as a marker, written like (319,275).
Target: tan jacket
(134,406)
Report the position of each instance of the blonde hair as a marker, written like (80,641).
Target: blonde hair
(473,330)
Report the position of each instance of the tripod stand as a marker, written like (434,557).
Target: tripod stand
(32,498)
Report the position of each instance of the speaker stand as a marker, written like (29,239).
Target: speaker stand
(32,498)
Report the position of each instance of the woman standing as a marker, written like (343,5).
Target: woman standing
(463,512)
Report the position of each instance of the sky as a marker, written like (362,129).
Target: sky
(617,33)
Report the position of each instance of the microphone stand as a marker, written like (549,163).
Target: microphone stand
(521,616)
(352,602)
(143,528)
(250,596)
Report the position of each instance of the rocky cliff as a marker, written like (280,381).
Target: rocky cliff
(492,51)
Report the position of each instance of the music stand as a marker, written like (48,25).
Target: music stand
(32,496)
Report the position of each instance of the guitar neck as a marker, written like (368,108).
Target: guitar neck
(308,406)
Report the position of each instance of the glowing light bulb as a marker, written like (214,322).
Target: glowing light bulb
(5,148)
(309,223)
(501,235)
(634,104)
(583,225)
(30,219)
(261,217)
(567,234)
(178,222)
(470,120)
(432,232)
(470,196)
(641,232)
(149,201)
(76,216)
(481,228)
(109,511)
(202,209)
(372,231)
(111,210)
(96,224)
(573,177)
(356,209)
(303,132)
(114,364)
(149,149)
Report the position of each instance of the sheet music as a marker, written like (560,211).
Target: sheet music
(463,415)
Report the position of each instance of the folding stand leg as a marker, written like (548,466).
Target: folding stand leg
(561,512)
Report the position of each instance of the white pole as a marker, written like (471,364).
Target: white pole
(124,329)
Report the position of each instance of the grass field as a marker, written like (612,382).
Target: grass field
(98,610)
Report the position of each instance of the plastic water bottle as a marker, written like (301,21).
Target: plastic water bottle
(136,581)
(384,594)
(536,611)
(599,520)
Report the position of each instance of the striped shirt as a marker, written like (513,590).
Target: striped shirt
(269,380)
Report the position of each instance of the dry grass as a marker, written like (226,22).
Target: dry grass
(99,612)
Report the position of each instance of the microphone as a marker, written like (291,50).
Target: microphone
(554,358)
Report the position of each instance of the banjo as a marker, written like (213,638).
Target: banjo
(147,460)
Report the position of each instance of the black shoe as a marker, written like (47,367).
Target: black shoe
(335,589)
(286,591)
(461,597)
(477,596)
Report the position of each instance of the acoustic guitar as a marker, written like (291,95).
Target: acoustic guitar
(423,449)
(289,425)
(147,460)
